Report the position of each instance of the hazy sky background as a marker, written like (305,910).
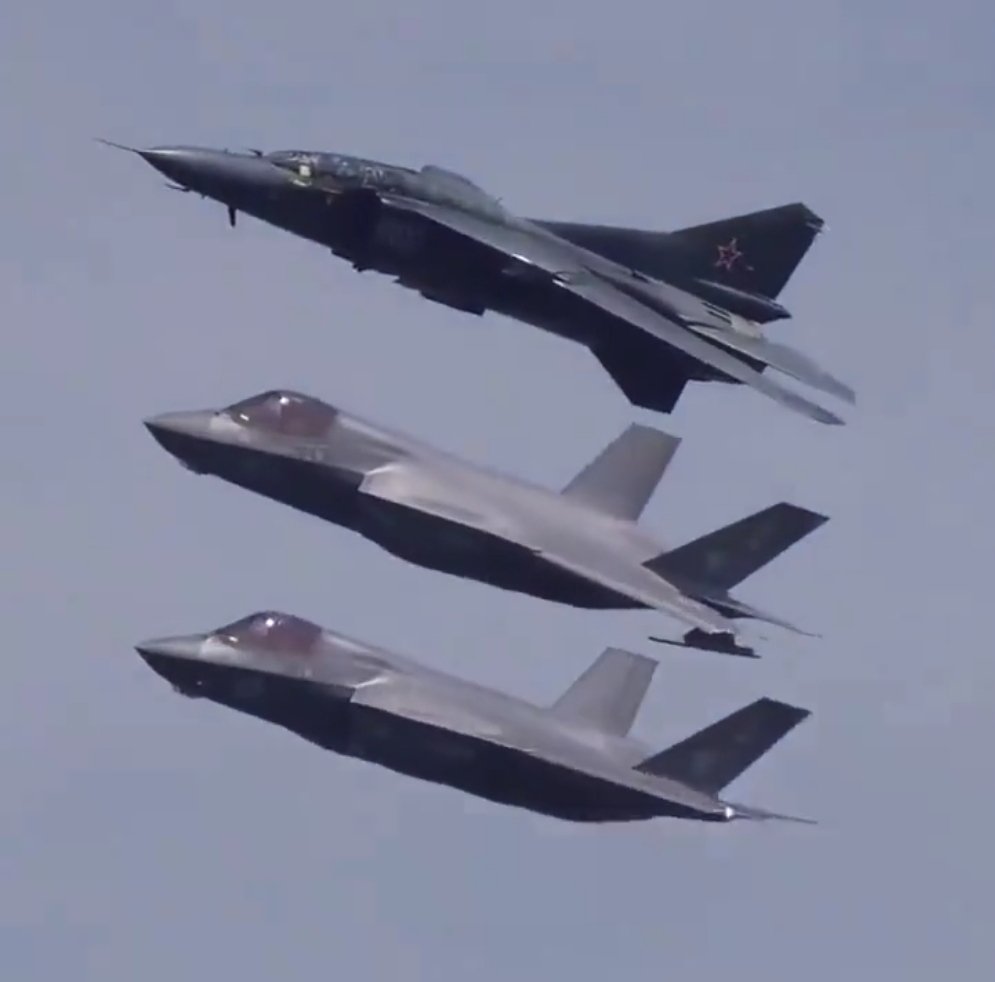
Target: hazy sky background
(147,836)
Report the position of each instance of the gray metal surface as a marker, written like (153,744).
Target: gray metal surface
(572,760)
(438,511)
(656,311)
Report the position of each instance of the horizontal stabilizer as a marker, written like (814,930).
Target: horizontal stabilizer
(723,558)
(715,756)
(610,691)
(621,479)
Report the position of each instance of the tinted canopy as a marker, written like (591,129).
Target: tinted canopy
(272,631)
(449,187)
(285,413)
(341,168)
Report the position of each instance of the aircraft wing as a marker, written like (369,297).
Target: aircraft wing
(603,294)
(411,486)
(782,358)
(661,595)
(561,261)
(658,786)
(655,786)
(551,255)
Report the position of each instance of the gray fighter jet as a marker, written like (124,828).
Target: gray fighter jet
(581,546)
(656,309)
(572,760)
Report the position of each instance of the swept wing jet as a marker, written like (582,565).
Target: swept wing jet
(656,309)
(581,546)
(572,760)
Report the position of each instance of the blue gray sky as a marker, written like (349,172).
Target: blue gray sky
(147,836)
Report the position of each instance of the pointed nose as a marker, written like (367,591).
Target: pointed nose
(177,660)
(186,646)
(236,178)
(195,423)
(189,166)
(185,435)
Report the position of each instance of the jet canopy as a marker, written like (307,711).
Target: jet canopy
(271,631)
(284,413)
(344,170)
(446,185)
(430,183)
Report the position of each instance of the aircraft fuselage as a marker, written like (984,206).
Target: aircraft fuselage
(333,492)
(448,269)
(335,719)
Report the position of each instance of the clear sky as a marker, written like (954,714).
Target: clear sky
(147,836)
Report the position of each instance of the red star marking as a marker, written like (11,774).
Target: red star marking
(728,254)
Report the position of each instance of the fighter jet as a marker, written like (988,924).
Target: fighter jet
(656,309)
(581,546)
(572,760)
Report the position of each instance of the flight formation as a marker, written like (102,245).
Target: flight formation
(657,310)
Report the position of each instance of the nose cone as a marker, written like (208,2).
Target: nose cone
(185,435)
(196,423)
(177,660)
(189,166)
(185,646)
(234,178)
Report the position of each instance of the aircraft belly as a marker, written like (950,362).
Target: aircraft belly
(490,770)
(448,546)
(540,304)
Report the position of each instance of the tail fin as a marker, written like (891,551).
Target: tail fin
(727,556)
(608,694)
(756,253)
(622,478)
(715,756)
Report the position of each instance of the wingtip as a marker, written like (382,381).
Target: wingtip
(841,390)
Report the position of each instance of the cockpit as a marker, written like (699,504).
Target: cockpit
(342,169)
(272,632)
(448,186)
(431,182)
(299,162)
(284,413)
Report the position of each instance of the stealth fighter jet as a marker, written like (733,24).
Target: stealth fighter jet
(572,760)
(656,309)
(581,546)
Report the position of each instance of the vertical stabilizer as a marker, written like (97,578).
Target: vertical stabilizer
(756,253)
(715,756)
(623,477)
(724,558)
(608,694)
